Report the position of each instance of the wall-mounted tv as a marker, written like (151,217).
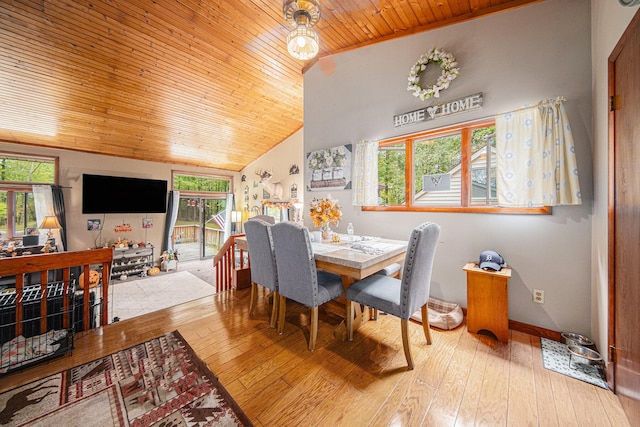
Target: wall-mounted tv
(102,194)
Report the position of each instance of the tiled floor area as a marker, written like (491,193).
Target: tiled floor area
(137,296)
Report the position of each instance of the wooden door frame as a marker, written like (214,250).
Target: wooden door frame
(610,369)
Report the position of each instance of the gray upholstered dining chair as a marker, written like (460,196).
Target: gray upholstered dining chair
(266,218)
(401,297)
(262,264)
(298,278)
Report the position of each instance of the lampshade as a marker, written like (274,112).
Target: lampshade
(302,41)
(236,216)
(49,222)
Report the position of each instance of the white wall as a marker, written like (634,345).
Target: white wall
(73,164)
(608,20)
(279,160)
(517,57)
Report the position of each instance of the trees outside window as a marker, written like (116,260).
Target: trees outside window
(449,169)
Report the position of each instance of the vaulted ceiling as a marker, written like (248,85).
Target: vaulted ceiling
(189,82)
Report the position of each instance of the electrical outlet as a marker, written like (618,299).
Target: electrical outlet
(538,296)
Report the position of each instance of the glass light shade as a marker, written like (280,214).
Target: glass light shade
(236,216)
(302,43)
(49,222)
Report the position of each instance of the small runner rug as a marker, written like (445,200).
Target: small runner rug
(556,357)
(157,383)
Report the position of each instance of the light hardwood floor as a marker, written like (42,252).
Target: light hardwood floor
(462,379)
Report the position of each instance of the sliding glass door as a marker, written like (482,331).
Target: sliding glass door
(202,213)
(199,229)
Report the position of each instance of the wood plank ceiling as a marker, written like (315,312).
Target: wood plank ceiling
(189,82)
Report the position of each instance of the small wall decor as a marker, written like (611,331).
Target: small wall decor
(294,170)
(265,194)
(271,189)
(436,182)
(122,228)
(450,71)
(255,197)
(293,192)
(93,224)
(435,111)
(329,169)
(147,222)
(243,178)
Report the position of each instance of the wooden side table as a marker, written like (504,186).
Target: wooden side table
(488,300)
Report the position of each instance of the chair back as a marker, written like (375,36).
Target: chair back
(418,264)
(297,274)
(261,255)
(266,218)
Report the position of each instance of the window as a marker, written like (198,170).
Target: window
(193,183)
(450,169)
(17,175)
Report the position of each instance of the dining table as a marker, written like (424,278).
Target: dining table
(353,258)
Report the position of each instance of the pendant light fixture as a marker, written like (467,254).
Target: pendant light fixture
(302,41)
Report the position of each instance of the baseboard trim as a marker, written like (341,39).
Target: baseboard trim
(536,331)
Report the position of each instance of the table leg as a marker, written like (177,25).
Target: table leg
(359,315)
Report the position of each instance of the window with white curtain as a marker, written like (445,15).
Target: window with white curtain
(18,174)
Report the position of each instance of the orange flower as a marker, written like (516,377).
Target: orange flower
(324,211)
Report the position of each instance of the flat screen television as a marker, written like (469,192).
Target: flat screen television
(102,194)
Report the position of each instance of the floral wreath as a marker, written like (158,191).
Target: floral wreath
(449,68)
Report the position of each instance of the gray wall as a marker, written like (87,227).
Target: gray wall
(517,57)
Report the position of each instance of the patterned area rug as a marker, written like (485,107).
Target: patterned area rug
(157,383)
(556,357)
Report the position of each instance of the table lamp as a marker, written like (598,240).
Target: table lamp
(48,223)
(236,218)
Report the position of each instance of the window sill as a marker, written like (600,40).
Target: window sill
(546,210)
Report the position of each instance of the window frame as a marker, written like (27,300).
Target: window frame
(13,187)
(464,129)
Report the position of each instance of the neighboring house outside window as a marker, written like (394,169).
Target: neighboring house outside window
(450,169)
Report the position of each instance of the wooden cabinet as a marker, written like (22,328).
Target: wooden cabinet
(488,301)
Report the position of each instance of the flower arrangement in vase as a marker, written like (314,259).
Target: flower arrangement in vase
(324,212)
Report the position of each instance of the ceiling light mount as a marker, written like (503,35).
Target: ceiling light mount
(311,8)
(302,41)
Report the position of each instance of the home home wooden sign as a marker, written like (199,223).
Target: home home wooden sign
(462,105)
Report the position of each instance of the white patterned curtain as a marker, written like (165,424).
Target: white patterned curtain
(365,174)
(536,160)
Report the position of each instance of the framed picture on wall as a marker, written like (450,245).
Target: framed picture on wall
(93,224)
(329,169)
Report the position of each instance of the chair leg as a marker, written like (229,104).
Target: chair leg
(254,298)
(425,323)
(374,314)
(405,342)
(313,335)
(349,317)
(274,311)
(281,312)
